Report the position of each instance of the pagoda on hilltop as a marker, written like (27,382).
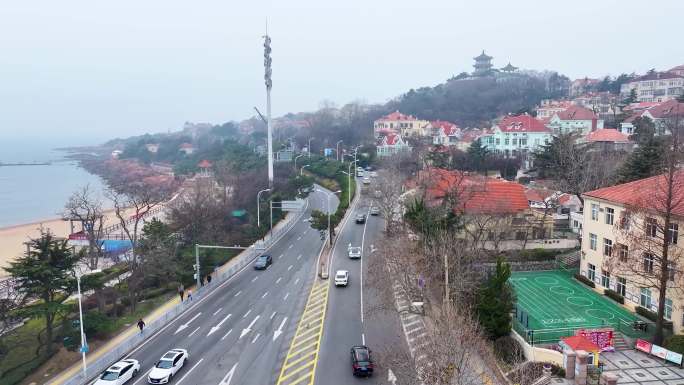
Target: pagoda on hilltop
(509,68)
(483,64)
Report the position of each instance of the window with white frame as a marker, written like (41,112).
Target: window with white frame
(605,279)
(592,241)
(645,298)
(648,262)
(671,270)
(610,213)
(591,271)
(607,247)
(594,212)
(651,227)
(622,252)
(668,309)
(621,286)
(673,233)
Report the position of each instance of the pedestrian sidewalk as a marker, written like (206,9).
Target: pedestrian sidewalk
(161,313)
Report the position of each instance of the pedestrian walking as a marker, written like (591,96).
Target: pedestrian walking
(181,292)
(141,325)
(208,279)
(189,295)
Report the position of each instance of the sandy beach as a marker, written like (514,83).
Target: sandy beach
(12,238)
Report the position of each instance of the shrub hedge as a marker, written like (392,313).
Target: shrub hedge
(584,280)
(615,296)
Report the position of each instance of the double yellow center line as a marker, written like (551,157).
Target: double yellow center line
(302,357)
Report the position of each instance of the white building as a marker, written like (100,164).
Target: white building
(517,136)
(445,133)
(575,119)
(391,144)
(656,86)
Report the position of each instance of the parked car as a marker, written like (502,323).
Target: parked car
(361,218)
(341,278)
(119,373)
(263,262)
(375,210)
(362,364)
(366,180)
(354,252)
(359,173)
(169,364)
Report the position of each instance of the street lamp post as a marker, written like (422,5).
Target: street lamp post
(80,318)
(337,151)
(295,160)
(328,209)
(308,148)
(258,206)
(301,171)
(349,182)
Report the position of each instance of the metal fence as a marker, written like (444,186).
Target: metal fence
(128,344)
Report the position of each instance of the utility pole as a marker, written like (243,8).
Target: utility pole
(446,280)
(269,85)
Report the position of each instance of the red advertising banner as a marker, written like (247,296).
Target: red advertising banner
(601,337)
(643,345)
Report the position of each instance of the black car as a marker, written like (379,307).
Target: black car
(361,218)
(262,262)
(362,364)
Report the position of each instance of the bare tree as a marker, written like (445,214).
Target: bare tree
(85,207)
(388,188)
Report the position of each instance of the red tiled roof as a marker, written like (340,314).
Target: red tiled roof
(607,135)
(204,164)
(677,68)
(580,343)
(476,194)
(186,145)
(396,115)
(390,139)
(564,198)
(646,193)
(447,127)
(667,109)
(575,112)
(640,106)
(537,195)
(657,76)
(522,123)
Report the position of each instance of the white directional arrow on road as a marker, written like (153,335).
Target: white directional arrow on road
(217,327)
(185,325)
(249,328)
(391,377)
(278,332)
(228,377)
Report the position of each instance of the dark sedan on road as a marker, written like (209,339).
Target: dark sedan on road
(263,262)
(362,364)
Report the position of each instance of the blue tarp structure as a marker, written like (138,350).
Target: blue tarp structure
(115,245)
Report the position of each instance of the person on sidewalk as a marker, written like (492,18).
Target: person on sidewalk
(181,292)
(208,279)
(141,325)
(189,295)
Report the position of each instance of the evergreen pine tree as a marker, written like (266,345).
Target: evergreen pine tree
(495,302)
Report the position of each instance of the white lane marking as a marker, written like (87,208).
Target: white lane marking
(273,315)
(299,256)
(264,296)
(363,238)
(255,278)
(278,332)
(194,331)
(215,328)
(286,295)
(280,256)
(296,281)
(289,247)
(363,339)
(227,334)
(289,268)
(229,376)
(256,338)
(238,293)
(246,314)
(217,311)
(299,238)
(249,328)
(186,374)
(185,325)
(278,280)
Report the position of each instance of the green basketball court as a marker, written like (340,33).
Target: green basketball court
(551,305)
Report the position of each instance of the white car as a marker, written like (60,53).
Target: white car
(341,278)
(354,252)
(373,174)
(119,373)
(167,366)
(366,180)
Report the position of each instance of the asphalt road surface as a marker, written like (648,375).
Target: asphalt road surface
(239,332)
(346,323)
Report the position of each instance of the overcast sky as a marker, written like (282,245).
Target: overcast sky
(101,69)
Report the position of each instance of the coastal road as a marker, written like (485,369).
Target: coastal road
(346,323)
(238,333)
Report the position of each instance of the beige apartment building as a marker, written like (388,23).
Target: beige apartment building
(405,125)
(622,237)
